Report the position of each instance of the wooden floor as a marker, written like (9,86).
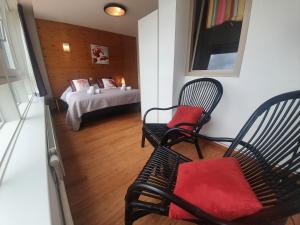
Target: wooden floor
(102,160)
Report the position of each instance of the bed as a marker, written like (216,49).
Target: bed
(80,103)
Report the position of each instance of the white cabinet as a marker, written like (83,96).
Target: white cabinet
(148,63)
(163,52)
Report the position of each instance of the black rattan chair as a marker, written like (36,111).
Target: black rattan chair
(268,151)
(203,92)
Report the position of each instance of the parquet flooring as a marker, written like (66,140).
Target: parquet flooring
(102,160)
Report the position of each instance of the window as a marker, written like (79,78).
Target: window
(217,36)
(222,61)
(7,51)
(16,79)
(16,66)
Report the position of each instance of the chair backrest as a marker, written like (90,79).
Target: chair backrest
(203,92)
(268,149)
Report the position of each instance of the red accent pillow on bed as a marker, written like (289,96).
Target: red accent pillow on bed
(218,187)
(186,114)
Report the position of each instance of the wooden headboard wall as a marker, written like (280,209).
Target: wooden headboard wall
(64,66)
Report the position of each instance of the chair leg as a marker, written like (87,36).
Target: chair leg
(128,212)
(128,220)
(143,140)
(198,149)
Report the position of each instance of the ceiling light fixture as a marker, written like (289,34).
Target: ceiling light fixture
(114,9)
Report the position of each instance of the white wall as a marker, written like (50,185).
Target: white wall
(148,63)
(162,56)
(181,46)
(172,53)
(271,65)
(166,43)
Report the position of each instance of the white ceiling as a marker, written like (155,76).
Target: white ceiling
(89,13)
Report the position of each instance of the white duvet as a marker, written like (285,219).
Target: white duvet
(81,102)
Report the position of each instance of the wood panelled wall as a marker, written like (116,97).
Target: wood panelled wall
(64,66)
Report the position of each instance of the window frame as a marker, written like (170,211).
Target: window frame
(14,38)
(6,42)
(2,121)
(17,86)
(235,72)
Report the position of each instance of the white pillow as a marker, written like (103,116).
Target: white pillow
(109,83)
(81,84)
(91,90)
(64,95)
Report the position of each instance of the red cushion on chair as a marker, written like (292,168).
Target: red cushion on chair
(218,187)
(186,114)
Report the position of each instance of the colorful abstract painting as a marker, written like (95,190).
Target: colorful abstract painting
(99,54)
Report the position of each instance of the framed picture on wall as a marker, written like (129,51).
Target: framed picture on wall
(99,54)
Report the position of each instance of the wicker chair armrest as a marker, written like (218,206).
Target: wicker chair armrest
(175,129)
(156,108)
(224,139)
(216,139)
(195,211)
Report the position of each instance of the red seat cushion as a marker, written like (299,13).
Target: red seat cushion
(218,187)
(186,114)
